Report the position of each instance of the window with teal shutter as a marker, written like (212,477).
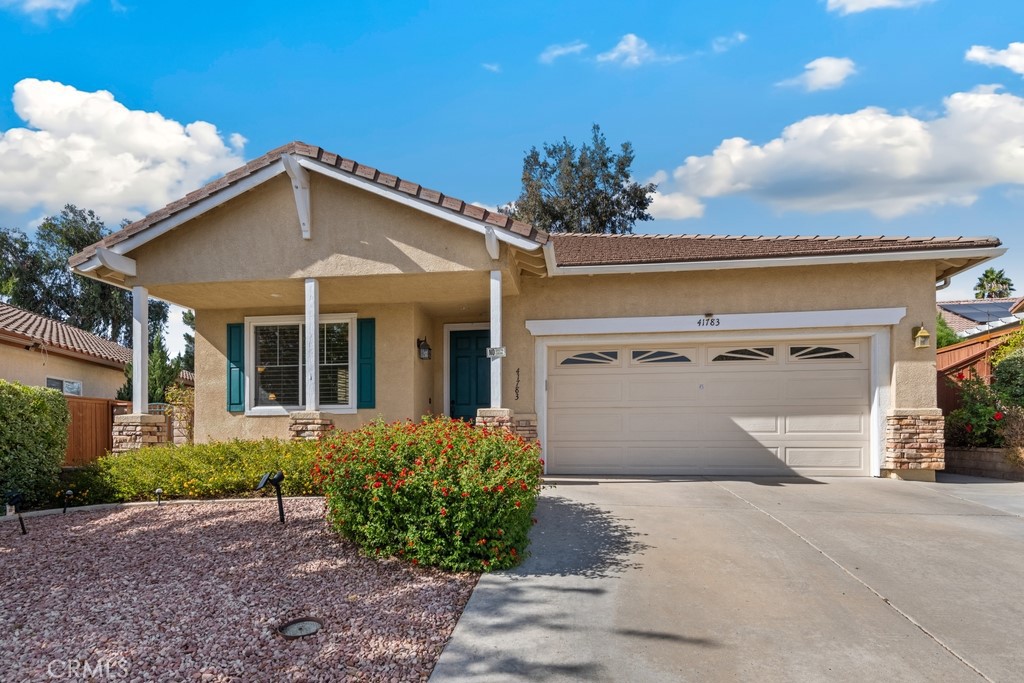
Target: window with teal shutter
(236,367)
(366,353)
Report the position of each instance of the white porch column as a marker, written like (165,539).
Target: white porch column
(312,344)
(140,350)
(495,337)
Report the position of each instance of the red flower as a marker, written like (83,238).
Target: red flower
(443,512)
(376,484)
(969,428)
(960,375)
(518,504)
(998,415)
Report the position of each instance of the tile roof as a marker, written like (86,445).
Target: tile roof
(599,250)
(366,173)
(54,335)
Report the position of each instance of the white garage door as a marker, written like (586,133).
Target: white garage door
(722,408)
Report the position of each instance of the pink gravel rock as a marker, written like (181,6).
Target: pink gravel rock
(197,591)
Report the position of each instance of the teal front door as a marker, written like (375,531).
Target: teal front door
(470,380)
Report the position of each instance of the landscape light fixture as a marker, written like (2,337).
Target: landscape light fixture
(67,497)
(159,493)
(14,500)
(424,348)
(275,480)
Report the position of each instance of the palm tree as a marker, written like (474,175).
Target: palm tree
(993,284)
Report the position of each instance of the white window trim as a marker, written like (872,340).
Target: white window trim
(63,380)
(300,319)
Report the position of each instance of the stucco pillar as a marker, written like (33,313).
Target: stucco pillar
(140,350)
(496,337)
(312,345)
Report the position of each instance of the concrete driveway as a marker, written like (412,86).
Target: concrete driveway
(756,580)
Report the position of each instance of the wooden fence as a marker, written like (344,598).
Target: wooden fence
(90,433)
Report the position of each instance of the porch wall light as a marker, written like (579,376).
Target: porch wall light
(921,337)
(424,348)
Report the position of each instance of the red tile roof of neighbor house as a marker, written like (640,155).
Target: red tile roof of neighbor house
(355,169)
(53,335)
(599,250)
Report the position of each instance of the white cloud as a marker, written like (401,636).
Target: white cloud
(870,160)
(88,149)
(553,52)
(62,8)
(726,43)
(493,68)
(633,51)
(854,6)
(1012,57)
(823,73)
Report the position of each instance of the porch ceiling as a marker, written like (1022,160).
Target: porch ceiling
(448,292)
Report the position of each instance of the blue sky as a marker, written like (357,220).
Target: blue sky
(792,117)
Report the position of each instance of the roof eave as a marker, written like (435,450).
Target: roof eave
(971,256)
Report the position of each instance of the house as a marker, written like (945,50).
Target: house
(639,355)
(39,351)
(970,317)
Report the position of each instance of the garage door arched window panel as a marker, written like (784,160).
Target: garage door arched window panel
(589,358)
(748,354)
(646,356)
(817,353)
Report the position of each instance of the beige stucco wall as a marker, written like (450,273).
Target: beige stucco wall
(33,367)
(354,233)
(909,284)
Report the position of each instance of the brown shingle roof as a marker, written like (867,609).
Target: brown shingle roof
(353,168)
(600,250)
(54,335)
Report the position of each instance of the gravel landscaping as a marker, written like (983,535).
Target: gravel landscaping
(197,591)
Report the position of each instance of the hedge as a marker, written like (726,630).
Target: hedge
(33,441)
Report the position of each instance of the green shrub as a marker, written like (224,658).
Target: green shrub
(439,492)
(1009,378)
(978,420)
(33,441)
(211,470)
(1008,346)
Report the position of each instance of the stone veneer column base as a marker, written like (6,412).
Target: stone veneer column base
(138,430)
(914,445)
(524,425)
(309,425)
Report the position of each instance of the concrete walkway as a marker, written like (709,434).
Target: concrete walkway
(756,580)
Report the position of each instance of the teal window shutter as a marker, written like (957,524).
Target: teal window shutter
(236,367)
(366,354)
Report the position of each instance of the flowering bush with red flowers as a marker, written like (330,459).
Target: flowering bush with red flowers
(979,421)
(439,492)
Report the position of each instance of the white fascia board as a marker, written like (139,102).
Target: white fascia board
(858,317)
(199,208)
(777,262)
(502,234)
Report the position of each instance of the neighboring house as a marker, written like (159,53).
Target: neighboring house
(684,354)
(969,317)
(984,325)
(43,352)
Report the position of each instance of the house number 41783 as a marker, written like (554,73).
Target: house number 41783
(709,322)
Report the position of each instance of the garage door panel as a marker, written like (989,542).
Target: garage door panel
(740,390)
(756,424)
(586,389)
(832,387)
(588,425)
(829,423)
(825,457)
(654,389)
